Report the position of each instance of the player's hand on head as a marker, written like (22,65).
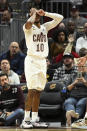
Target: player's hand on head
(41,12)
(32,11)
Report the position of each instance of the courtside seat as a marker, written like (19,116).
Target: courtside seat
(51,102)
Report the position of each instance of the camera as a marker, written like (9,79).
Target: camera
(79,75)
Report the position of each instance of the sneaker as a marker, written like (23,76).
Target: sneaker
(26,125)
(35,120)
(38,119)
(40,125)
(79,124)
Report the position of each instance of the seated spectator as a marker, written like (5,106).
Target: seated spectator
(6,22)
(58,59)
(15,57)
(5,68)
(6,17)
(60,42)
(76,103)
(71,30)
(9,30)
(71,27)
(82,41)
(68,69)
(68,49)
(11,102)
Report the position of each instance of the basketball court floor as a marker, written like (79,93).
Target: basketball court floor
(53,129)
(53,126)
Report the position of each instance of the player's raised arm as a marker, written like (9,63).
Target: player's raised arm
(57,18)
(31,20)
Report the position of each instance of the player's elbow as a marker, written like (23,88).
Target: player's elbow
(28,25)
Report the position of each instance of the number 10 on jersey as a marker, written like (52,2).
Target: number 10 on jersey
(40,47)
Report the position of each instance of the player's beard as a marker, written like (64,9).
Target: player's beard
(36,22)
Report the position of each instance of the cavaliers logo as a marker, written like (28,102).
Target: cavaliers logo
(52,86)
(33,27)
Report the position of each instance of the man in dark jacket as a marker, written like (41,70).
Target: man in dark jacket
(11,102)
(15,57)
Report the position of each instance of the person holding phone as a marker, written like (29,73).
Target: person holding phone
(76,103)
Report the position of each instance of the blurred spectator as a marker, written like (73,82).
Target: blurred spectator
(6,17)
(37,4)
(71,30)
(68,49)
(9,30)
(75,16)
(76,103)
(5,68)
(81,62)
(83,8)
(82,52)
(15,57)
(11,102)
(60,42)
(82,41)
(26,5)
(4,5)
(61,25)
(66,70)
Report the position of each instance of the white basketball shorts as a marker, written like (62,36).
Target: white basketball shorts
(35,72)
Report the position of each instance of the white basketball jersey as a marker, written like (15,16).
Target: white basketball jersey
(36,38)
(37,41)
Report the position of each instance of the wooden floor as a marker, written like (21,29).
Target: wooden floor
(59,129)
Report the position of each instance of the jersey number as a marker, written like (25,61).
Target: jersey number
(40,47)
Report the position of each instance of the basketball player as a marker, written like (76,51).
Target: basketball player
(35,61)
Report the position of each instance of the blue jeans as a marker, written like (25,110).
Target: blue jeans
(78,105)
(17,114)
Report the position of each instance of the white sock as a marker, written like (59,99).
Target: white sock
(34,116)
(86,114)
(27,116)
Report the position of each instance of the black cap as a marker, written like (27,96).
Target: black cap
(74,8)
(68,55)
